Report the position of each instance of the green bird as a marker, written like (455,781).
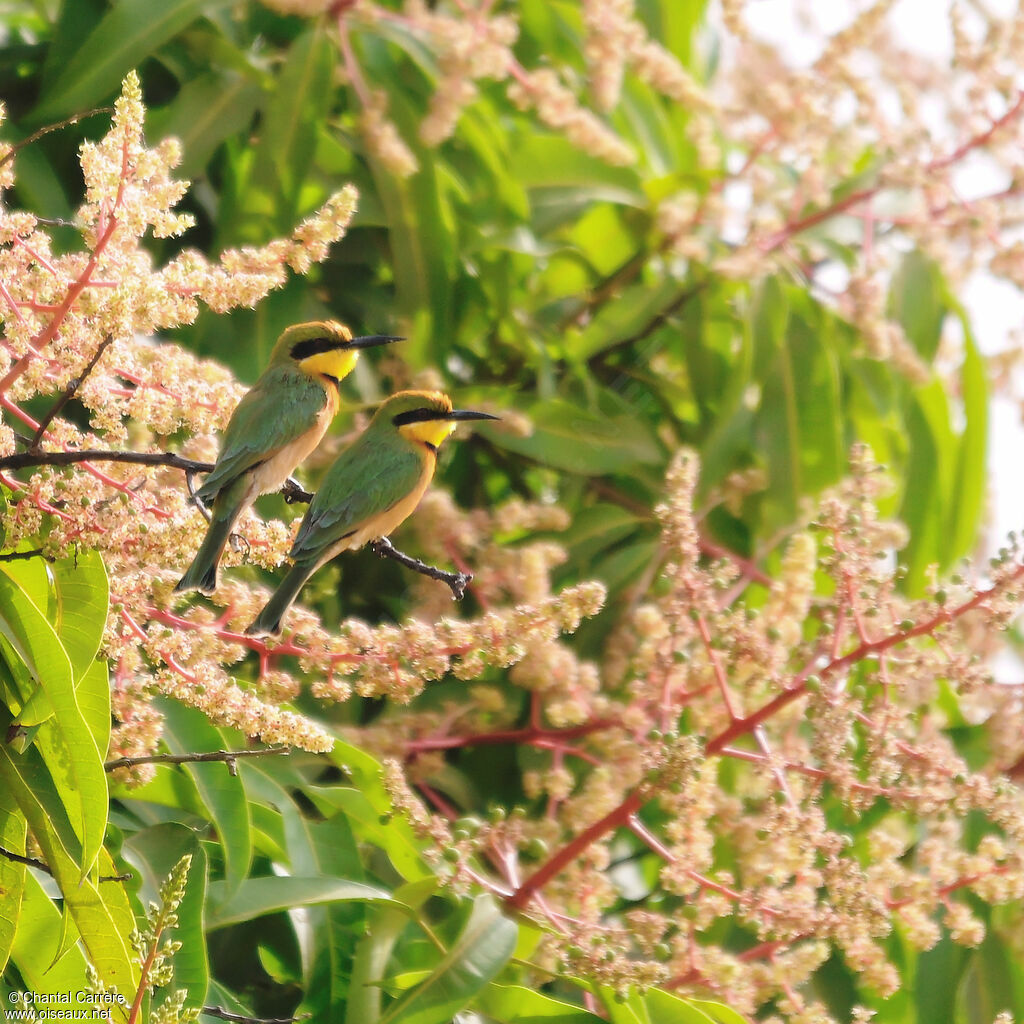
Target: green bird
(374,485)
(273,428)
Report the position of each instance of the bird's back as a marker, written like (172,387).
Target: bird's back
(363,491)
(280,408)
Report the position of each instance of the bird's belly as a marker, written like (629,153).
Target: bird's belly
(382,524)
(271,475)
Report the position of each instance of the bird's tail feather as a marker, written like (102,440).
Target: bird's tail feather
(202,573)
(268,622)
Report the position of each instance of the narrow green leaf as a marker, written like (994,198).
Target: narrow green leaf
(208,109)
(325,848)
(293,116)
(93,693)
(154,852)
(81,592)
(68,935)
(483,947)
(187,730)
(13,833)
(800,425)
(719,1012)
(268,895)
(665,1008)
(629,1009)
(64,740)
(632,312)
(103,921)
(968,494)
(36,942)
(930,466)
(916,301)
(569,437)
(384,926)
(514,1004)
(128,33)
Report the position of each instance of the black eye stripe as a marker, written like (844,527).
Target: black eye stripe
(314,346)
(419,416)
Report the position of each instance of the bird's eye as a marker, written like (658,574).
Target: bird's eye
(312,346)
(417,416)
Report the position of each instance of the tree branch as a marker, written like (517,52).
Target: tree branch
(31,862)
(457,581)
(292,492)
(30,458)
(17,556)
(47,128)
(229,757)
(69,392)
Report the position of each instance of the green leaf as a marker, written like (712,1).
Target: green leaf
(719,1012)
(549,161)
(284,155)
(370,812)
(483,947)
(384,926)
(800,426)
(187,730)
(65,741)
(315,848)
(93,693)
(128,34)
(931,462)
(103,919)
(630,314)
(36,943)
(13,833)
(665,1008)
(968,494)
(258,896)
(917,302)
(518,1005)
(82,593)
(208,109)
(569,437)
(154,852)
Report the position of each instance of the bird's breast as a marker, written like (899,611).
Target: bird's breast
(272,472)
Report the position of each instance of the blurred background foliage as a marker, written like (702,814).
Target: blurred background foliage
(532,278)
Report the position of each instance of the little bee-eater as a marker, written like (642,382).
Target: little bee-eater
(273,428)
(370,488)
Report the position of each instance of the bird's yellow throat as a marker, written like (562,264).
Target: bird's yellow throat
(337,363)
(431,432)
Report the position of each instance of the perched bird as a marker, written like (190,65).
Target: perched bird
(370,488)
(273,428)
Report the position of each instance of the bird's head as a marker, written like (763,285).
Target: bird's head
(424,417)
(324,347)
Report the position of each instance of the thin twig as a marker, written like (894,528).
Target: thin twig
(55,127)
(17,556)
(22,459)
(241,1018)
(457,581)
(69,392)
(656,320)
(229,757)
(40,866)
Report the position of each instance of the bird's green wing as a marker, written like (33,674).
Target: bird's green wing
(369,477)
(281,406)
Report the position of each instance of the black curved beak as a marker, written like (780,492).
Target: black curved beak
(371,340)
(469,414)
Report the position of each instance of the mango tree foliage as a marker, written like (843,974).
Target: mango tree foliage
(712,736)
